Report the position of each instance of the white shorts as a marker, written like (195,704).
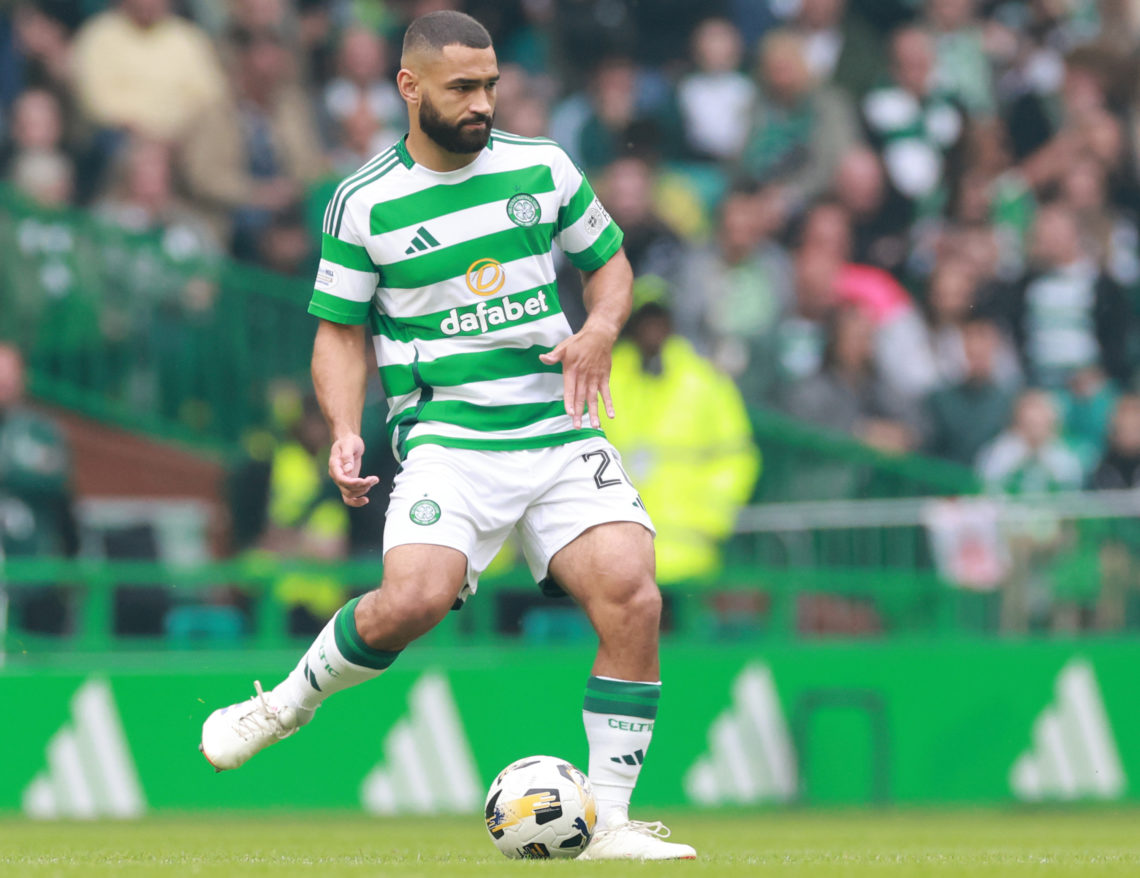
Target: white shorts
(472,500)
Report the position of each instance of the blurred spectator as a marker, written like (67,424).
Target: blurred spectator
(37,125)
(306,519)
(915,128)
(1081,123)
(951,302)
(139,67)
(36,514)
(840,47)
(141,199)
(43,45)
(903,359)
(1119,540)
(800,336)
(35,472)
(880,217)
(1086,405)
(847,395)
(622,111)
(715,99)
(35,161)
(526,116)
(1029,456)
(654,250)
(1066,314)
(962,68)
(732,292)
(285,246)
(1108,234)
(799,129)
(1119,466)
(521,107)
(250,156)
(48,178)
(364,90)
(694,473)
(968,413)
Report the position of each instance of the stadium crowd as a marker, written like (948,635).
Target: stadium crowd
(913,221)
(899,219)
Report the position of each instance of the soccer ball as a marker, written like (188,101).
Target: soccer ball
(540,807)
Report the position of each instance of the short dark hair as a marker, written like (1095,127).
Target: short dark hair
(445,28)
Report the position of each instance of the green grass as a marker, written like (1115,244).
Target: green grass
(1083,842)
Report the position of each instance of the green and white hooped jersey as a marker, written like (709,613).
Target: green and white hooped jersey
(453,272)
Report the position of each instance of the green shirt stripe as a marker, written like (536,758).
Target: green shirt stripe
(437,266)
(547,440)
(438,201)
(380,171)
(459,369)
(519,140)
(338,310)
(573,210)
(347,255)
(600,252)
(336,203)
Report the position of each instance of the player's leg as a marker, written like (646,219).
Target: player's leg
(366,635)
(588,531)
(359,643)
(609,570)
(442,528)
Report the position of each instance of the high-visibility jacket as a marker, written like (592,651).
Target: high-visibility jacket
(686,442)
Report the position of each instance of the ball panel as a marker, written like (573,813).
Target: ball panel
(540,807)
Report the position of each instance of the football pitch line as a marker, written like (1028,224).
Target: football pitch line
(1089,841)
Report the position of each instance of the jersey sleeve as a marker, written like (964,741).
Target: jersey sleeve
(346,277)
(584,230)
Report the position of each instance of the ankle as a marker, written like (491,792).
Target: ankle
(611,814)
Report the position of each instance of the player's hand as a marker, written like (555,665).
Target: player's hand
(585,359)
(344,467)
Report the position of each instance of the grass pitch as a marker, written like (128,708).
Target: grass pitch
(1088,842)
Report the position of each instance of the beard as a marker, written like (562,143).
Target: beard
(454,138)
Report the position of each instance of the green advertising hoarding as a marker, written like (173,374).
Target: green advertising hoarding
(948,722)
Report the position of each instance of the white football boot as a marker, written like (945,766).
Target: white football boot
(231,735)
(636,840)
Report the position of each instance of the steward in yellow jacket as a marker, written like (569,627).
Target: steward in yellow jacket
(686,442)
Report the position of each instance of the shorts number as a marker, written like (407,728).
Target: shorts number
(600,473)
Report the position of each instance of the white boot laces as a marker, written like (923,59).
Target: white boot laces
(657,829)
(260,718)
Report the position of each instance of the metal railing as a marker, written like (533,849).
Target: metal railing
(1067,563)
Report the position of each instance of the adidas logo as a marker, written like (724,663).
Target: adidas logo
(428,767)
(90,772)
(635,758)
(1073,754)
(422,241)
(750,758)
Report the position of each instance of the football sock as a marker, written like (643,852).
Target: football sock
(338,658)
(619,717)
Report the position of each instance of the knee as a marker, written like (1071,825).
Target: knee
(400,611)
(646,601)
(637,597)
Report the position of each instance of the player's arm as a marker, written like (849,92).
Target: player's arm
(586,355)
(342,299)
(591,241)
(340,376)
